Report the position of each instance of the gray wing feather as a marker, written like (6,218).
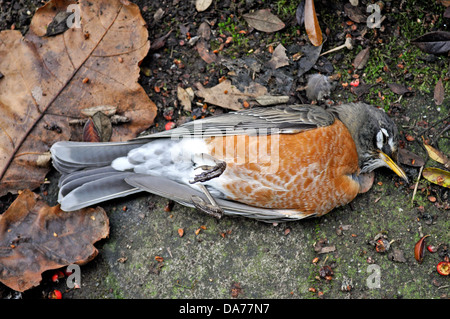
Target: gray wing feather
(268,120)
(183,194)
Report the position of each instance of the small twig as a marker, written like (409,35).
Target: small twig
(417,184)
(435,124)
(433,142)
(324,261)
(347,44)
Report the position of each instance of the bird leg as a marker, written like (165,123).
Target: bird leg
(210,172)
(211,208)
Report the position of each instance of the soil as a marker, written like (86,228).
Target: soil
(330,257)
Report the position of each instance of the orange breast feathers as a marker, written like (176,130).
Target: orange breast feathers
(308,171)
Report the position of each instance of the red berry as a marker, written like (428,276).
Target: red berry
(55,277)
(169,125)
(431,248)
(443,268)
(55,294)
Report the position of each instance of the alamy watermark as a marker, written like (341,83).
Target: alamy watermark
(374,20)
(74,279)
(241,146)
(373,281)
(74,19)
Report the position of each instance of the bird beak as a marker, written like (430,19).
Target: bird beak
(393,166)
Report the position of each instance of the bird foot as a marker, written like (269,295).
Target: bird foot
(211,208)
(206,208)
(210,172)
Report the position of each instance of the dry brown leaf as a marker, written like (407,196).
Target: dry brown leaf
(98,128)
(35,237)
(108,110)
(185,98)
(202,5)
(90,133)
(266,100)
(437,176)
(312,24)
(399,89)
(263,20)
(279,57)
(439,93)
(49,80)
(437,155)
(409,158)
(204,52)
(354,13)
(361,58)
(228,96)
(204,31)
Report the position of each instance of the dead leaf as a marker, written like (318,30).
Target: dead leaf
(437,176)
(397,255)
(445,3)
(58,24)
(185,98)
(399,89)
(35,237)
(419,249)
(52,92)
(90,133)
(354,13)
(361,89)
(158,14)
(318,87)
(439,93)
(272,100)
(204,31)
(447,12)
(230,97)
(300,13)
(436,42)
(202,5)
(160,42)
(203,49)
(409,158)
(263,20)
(108,110)
(361,59)
(279,57)
(327,249)
(103,126)
(310,54)
(437,155)
(312,24)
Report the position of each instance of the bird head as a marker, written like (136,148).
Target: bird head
(375,136)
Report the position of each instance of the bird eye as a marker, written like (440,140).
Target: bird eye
(385,139)
(385,135)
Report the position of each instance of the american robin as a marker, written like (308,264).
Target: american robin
(275,163)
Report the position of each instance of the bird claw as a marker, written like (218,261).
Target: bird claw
(211,208)
(210,172)
(206,208)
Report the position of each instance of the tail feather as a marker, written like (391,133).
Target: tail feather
(87,175)
(72,156)
(67,178)
(77,179)
(109,186)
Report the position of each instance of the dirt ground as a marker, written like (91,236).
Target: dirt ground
(240,258)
